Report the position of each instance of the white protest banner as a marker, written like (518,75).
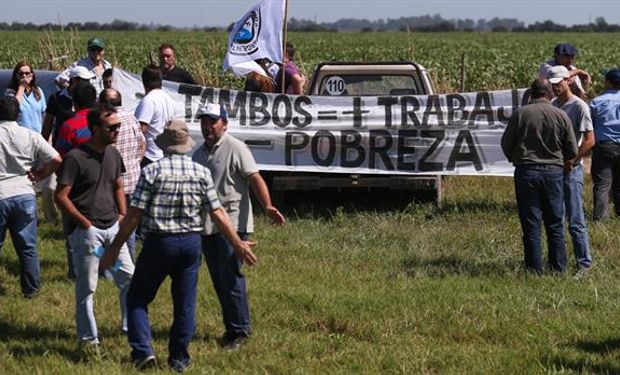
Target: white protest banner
(452,134)
(257,35)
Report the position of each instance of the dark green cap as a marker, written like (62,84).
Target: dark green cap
(96,42)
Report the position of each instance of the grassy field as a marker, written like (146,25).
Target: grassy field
(365,284)
(342,288)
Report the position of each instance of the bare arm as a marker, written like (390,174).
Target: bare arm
(46,170)
(119,195)
(127,226)
(298,81)
(259,187)
(144,127)
(584,147)
(243,249)
(62,200)
(48,124)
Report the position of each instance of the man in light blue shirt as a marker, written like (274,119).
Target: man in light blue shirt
(605,110)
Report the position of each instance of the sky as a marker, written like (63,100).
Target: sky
(187,13)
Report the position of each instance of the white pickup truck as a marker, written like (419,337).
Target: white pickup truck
(365,79)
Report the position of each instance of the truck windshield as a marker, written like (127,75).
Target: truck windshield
(368,85)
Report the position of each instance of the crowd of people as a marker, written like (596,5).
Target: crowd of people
(546,141)
(117,175)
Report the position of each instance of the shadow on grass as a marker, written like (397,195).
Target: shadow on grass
(326,202)
(41,349)
(13,268)
(594,357)
(478,206)
(29,341)
(450,265)
(599,347)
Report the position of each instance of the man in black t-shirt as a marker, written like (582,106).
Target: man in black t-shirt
(168,65)
(90,191)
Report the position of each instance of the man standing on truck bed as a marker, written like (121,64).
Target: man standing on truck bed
(538,140)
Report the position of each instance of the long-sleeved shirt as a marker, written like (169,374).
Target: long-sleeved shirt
(539,133)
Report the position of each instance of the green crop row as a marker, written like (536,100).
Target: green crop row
(492,60)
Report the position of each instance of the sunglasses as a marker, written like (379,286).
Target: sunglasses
(23,74)
(95,49)
(113,128)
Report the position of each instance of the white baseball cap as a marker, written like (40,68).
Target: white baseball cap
(557,74)
(81,72)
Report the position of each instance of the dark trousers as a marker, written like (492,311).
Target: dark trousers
(228,282)
(540,198)
(177,256)
(606,178)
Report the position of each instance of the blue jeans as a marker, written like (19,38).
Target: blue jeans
(177,256)
(18,214)
(577,227)
(84,242)
(540,197)
(228,282)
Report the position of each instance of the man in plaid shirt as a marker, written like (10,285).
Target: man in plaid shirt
(173,196)
(130,144)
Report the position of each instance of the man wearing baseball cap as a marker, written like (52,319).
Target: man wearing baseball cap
(59,109)
(605,110)
(234,173)
(172,198)
(564,54)
(94,62)
(579,114)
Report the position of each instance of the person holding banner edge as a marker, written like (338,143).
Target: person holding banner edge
(234,171)
(538,140)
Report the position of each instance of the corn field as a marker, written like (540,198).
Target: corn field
(492,60)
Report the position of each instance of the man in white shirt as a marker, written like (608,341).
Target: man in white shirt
(25,157)
(154,111)
(94,62)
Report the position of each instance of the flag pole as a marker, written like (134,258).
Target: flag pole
(284,40)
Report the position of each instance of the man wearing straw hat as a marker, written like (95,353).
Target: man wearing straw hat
(172,197)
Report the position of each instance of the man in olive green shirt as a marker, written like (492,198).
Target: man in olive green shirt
(538,139)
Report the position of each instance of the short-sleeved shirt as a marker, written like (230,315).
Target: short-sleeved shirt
(96,81)
(73,132)
(605,110)
(230,162)
(21,149)
(31,110)
(128,144)
(578,112)
(545,68)
(92,176)
(155,109)
(176,194)
(59,106)
(179,75)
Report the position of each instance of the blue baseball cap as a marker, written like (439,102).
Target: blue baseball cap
(213,111)
(613,76)
(565,49)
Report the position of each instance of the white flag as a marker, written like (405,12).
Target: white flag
(257,35)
